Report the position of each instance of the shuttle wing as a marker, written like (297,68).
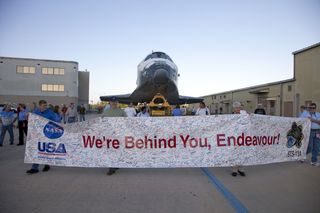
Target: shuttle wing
(125,98)
(189,100)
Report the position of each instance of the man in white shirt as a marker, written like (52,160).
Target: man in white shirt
(130,110)
(72,113)
(143,113)
(314,139)
(202,110)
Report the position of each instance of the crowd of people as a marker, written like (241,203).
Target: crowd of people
(73,114)
(9,116)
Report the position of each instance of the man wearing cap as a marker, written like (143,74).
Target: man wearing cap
(114,111)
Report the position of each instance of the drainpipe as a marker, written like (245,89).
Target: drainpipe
(281,95)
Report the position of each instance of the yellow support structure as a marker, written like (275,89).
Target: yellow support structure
(159,106)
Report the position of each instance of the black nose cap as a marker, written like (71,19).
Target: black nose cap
(161,76)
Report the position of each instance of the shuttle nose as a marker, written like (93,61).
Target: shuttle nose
(161,76)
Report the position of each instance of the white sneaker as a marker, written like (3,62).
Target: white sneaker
(315,163)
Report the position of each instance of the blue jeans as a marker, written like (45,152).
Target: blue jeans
(71,119)
(35,166)
(82,117)
(3,133)
(64,118)
(314,145)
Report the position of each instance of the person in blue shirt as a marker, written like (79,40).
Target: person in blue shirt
(7,118)
(177,111)
(22,123)
(314,140)
(56,111)
(43,111)
(303,112)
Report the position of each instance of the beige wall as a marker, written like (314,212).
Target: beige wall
(271,96)
(307,74)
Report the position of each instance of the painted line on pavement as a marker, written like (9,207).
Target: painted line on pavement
(235,203)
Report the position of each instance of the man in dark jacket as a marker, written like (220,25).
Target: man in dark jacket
(260,110)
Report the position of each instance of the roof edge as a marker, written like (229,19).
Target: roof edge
(38,59)
(253,87)
(306,48)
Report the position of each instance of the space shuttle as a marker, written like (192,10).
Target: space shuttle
(157,74)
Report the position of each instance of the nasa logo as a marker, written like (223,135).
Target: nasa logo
(52,148)
(52,130)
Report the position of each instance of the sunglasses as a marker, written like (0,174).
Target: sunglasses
(311,107)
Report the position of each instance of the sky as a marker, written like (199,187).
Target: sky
(217,45)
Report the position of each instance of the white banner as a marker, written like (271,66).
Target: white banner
(162,142)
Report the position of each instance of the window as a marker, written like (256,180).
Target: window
(32,70)
(44,87)
(56,71)
(56,87)
(52,71)
(45,70)
(26,70)
(289,88)
(61,71)
(19,69)
(52,87)
(61,88)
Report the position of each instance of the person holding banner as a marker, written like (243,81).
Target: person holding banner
(202,110)
(303,112)
(49,114)
(143,113)
(114,111)
(130,110)
(237,110)
(314,140)
(177,111)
